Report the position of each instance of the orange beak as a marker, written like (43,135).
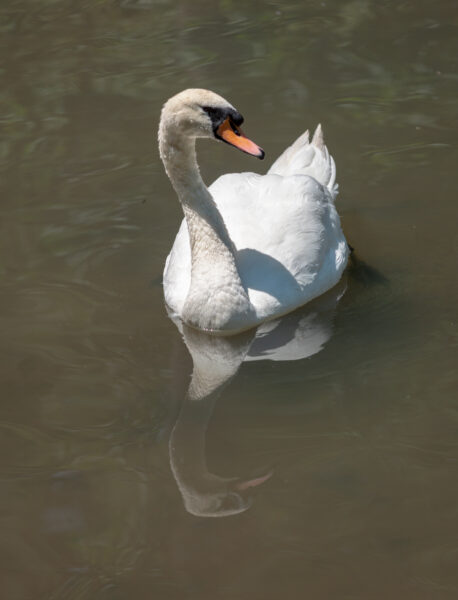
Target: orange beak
(233,135)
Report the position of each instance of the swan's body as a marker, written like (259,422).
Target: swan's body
(251,247)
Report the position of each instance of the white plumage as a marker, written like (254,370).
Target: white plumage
(287,243)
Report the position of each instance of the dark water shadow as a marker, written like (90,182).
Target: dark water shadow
(361,272)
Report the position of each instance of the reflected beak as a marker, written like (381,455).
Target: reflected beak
(250,483)
(233,135)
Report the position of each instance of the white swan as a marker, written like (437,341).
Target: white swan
(251,247)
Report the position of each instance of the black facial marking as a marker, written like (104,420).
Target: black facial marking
(236,117)
(219,115)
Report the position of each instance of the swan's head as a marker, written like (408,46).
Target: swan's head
(197,113)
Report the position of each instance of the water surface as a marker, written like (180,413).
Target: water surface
(349,451)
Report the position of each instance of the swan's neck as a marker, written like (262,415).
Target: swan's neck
(217,299)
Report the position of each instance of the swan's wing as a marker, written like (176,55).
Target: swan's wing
(290,246)
(308,158)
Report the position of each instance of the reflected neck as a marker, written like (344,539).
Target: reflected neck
(215,361)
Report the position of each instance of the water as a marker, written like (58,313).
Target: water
(342,462)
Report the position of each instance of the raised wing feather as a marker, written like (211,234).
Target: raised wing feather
(308,158)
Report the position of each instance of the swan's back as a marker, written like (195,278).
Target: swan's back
(286,231)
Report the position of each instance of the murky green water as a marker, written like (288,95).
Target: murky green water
(342,462)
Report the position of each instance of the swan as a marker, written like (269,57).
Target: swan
(251,247)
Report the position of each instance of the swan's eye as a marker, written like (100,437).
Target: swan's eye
(233,127)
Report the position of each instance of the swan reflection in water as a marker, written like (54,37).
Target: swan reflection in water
(215,362)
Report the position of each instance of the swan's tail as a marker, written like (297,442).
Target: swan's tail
(308,158)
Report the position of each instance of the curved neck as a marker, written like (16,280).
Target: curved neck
(179,157)
(217,299)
